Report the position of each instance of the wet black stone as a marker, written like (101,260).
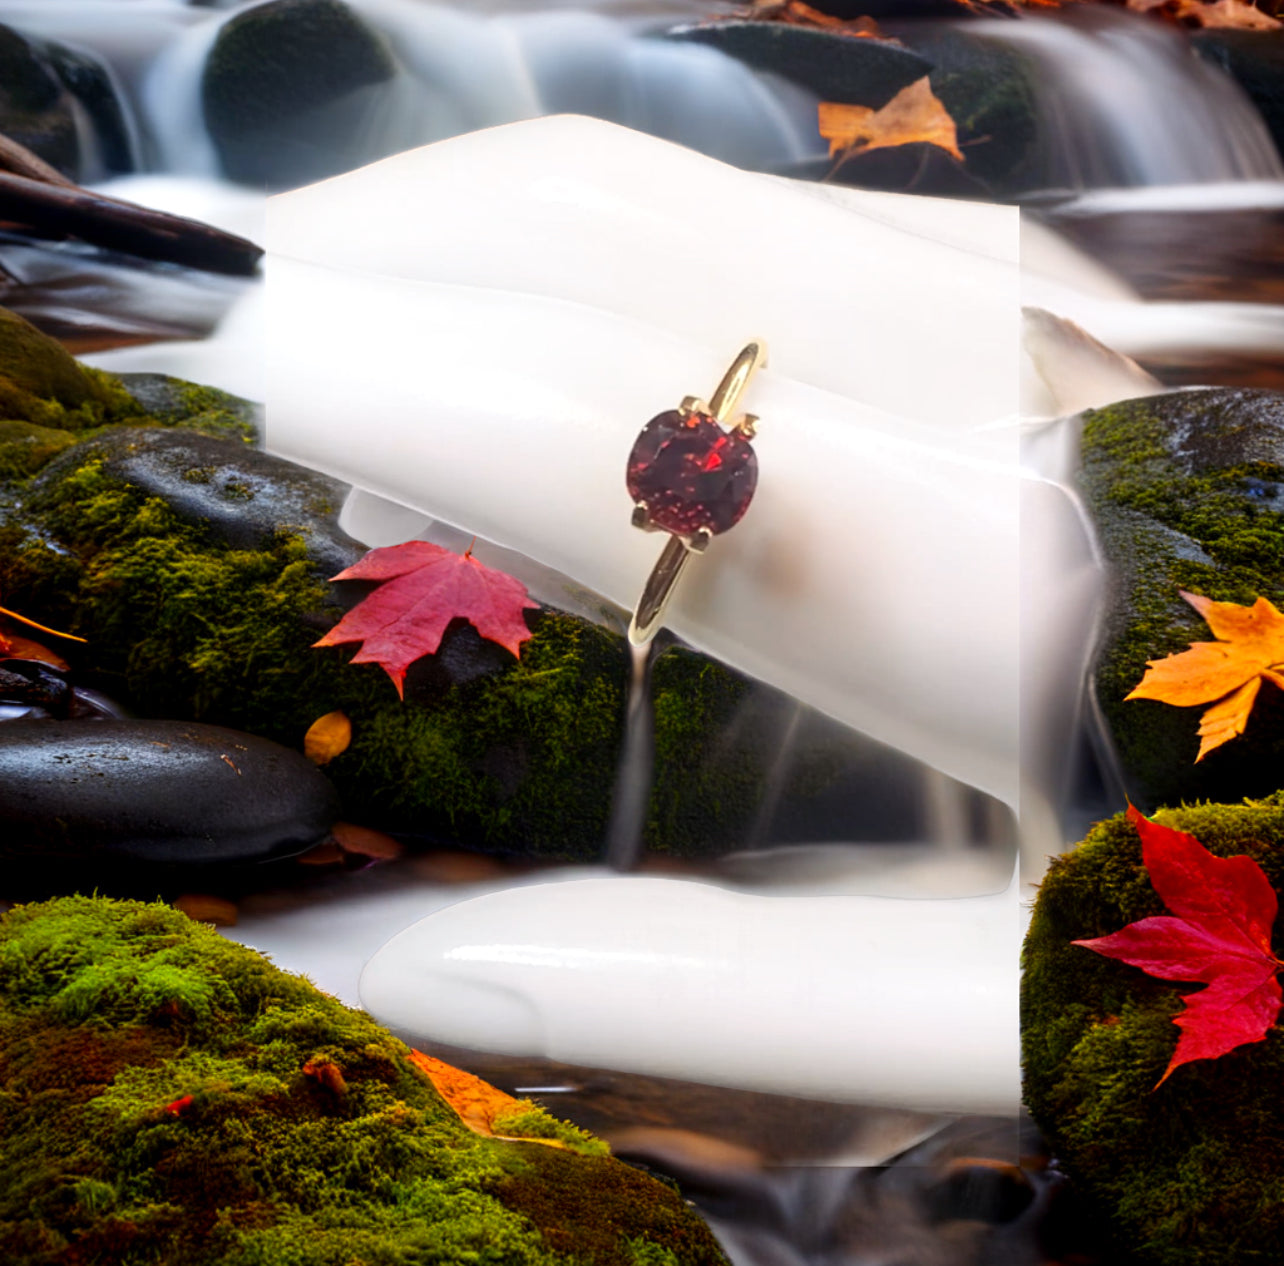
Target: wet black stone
(988,91)
(35,108)
(978,1189)
(165,792)
(289,91)
(866,72)
(177,402)
(1255,59)
(26,681)
(243,496)
(89,81)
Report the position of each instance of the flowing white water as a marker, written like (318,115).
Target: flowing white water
(1125,101)
(637,758)
(458,70)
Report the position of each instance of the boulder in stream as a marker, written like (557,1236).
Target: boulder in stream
(134,514)
(836,67)
(167,792)
(1187,493)
(36,110)
(1190,1171)
(289,91)
(1255,60)
(61,103)
(168,1095)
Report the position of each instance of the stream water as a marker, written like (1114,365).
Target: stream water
(1138,137)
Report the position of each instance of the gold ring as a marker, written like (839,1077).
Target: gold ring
(692,473)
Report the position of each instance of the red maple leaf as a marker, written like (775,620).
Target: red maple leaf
(427,587)
(1224,909)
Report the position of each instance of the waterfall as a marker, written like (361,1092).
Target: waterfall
(1126,101)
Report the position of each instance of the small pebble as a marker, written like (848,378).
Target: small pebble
(207,909)
(365,842)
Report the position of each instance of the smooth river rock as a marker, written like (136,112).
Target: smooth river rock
(1186,492)
(290,90)
(836,67)
(167,792)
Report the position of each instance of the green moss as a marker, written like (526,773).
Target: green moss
(182,626)
(707,781)
(527,1120)
(175,1120)
(1190,1172)
(1169,519)
(26,447)
(58,399)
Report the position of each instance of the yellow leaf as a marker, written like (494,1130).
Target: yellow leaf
(477,1103)
(327,737)
(1227,673)
(1226,720)
(915,114)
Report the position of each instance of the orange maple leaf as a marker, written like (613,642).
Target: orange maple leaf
(1227,673)
(915,114)
(477,1103)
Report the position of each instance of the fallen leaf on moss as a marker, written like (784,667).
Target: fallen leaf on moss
(425,588)
(1219,933)
(913,115)
(179,1105)
(327,737)
(325,1072)
(1227,673)
(476,1102)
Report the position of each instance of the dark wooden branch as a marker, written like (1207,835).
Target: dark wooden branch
(19,160)
(60,207)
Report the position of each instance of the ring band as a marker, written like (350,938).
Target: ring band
(692,473)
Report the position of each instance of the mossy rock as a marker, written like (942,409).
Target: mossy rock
(289,91)
(197,568)
(168,1095)
(1187,493)
(1190,1172)
(192,617)
(177,402)
(197,565)
(44,386)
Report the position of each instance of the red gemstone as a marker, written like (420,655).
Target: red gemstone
(691,473)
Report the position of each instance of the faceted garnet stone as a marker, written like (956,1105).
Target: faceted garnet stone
(691,473)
